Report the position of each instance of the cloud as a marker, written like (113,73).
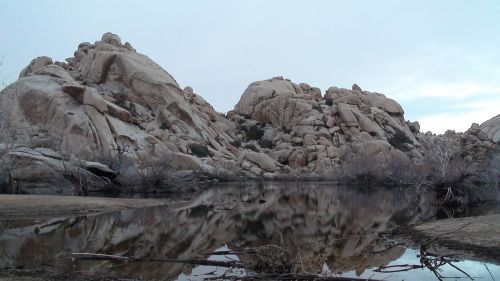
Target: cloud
(469,112)
(453,91)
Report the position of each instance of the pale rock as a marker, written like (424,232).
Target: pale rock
(99,169)
(297,141)
(245,164)
(280,156)
(35,65)
(297,159)
(345,113)
(256,170)
(54,71)
(152,140)
(323,132)
(111,38)
(386,104)
(263,160)
(491,129)
(356,88)
(309,139)
(184,161)
(330,122)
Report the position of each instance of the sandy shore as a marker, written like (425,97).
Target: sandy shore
(475,238)
(40,206)
(483,231)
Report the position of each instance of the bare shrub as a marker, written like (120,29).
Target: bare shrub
(393,168)
(155,171)
(83,181)
(438,156)
(6,180)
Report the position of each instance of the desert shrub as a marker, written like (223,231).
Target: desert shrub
(391,169)
(254,132)
(236,143)
(120,100)
(241,128)
(399,141)
(155,171)
(199,150)
(6,181)
(285,129)
(266,143)
(164,126)
(251,146)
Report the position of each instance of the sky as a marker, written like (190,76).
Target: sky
(439,59)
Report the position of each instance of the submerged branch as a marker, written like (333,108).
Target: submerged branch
(91,256)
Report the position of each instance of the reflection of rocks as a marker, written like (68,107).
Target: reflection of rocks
(319,223)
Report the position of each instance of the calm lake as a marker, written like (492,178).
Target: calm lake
(251,230)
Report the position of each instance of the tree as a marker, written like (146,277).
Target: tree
(439,156)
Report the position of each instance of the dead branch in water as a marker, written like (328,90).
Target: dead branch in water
(227,264)
(431,261)
(103,257)
(286,277)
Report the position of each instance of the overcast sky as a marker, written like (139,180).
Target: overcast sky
(439,59)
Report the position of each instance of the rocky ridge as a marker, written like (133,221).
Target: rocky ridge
(111,114)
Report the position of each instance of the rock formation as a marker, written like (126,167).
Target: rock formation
(110,114)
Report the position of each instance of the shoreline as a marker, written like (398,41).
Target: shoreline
(52,206)
(475,237)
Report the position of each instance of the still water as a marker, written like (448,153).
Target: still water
(305,229)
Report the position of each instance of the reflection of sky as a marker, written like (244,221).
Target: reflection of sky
(473,268)
(199,272)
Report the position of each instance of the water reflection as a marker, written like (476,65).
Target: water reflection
(315,225)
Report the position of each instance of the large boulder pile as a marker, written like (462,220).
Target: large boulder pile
(305,130)
(111,114)
(109,100)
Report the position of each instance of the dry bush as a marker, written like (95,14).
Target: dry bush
(438,157)
(393,168)
(156,171)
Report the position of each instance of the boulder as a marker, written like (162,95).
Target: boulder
(183,161)
(346,114)
(384,103)
(35,65)
(491,129)
(111,38)
(263,160)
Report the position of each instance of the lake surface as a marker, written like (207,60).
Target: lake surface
(302,228)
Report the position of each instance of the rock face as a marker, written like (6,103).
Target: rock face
(491,129)
(112,105)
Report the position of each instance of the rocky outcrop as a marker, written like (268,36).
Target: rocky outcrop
(491,129)
(110,104)
(304,130)
(109,100)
